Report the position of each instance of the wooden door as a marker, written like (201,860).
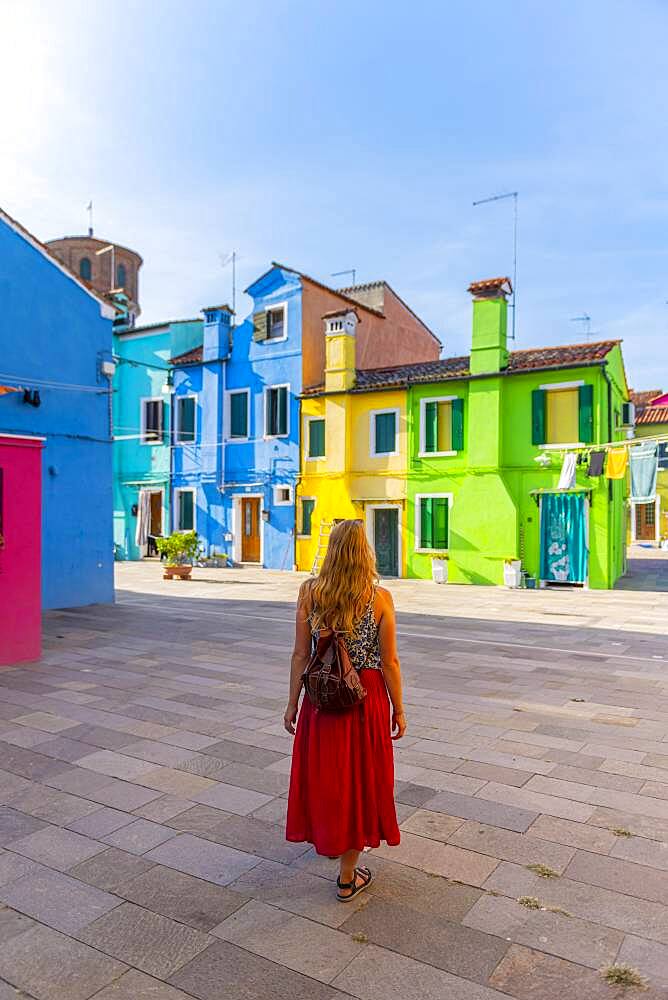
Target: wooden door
(386,540)
(645,522)
(156,514)
(250,529)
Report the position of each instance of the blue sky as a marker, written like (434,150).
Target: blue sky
(357,135)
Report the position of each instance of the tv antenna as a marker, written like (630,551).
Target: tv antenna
(231,258)
(351,270)
(501,197)
(585,319)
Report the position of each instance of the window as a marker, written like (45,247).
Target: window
(282,496)
(308,505)
(563,414)
(152,421)
(238,414)
(316,437)
(276,411)
(431,522)
(121,276)
(384,432)
(185,509)
(85,270)
(276,323)
(441,425)
(185,419)
(663,455)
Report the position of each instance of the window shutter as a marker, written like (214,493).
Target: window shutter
(440,531)
(457,425)
(316,438)
(307,515)
(431,427)
(586,413)
(260,329)
(426,523)
(238,415)
(538,416)
(386,433)
(282,411)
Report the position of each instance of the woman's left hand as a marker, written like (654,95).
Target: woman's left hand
(290,718)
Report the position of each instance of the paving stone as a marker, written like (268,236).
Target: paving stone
(78,781)
(224,971)
(580,835)
(295,891)
(137,986)
(621,876)
(395,883)
(200,820)
(379,974)
(494,813)
(157,753)
(111,869)
(115,765)
(232,799)
(275,812)
(299,944)
(599,779)
(649,957)
(22,736)
(527,974)
(652,853)
(139,836)
(494,772)
(65,749)
(29,764)
(565,936)
(639,826)
(442,943)
(440,859)
(56,900)
(246,776)
(540,803)
(46,722)
(99,736)
(434,825)
(229,750)
(56,848)
(509,846)
(11,924)
(188,900)
(167,779)
(412,795)
(101,822)
(13,867)
(204,767)
(164,808)
(215,863)
(51,805)
(148,941)
(14,825)
(189,741)
(50,966)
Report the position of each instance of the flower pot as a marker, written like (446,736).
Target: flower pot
(177,572)
(512,573)
(439,570)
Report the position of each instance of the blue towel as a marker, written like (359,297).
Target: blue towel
(643,462)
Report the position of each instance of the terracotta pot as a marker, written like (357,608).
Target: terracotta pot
(177,572)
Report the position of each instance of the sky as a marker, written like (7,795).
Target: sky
(357,134)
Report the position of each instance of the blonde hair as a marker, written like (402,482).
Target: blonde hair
(344,588)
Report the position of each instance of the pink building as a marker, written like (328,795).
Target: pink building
(20,548)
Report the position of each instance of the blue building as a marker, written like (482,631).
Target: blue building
(56,348)
(143,432)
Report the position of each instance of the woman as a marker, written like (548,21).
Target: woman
(342,781)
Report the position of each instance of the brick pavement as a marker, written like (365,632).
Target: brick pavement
(143,774)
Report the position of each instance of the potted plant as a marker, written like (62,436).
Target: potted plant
(439,568)
(512,572)
(181,549)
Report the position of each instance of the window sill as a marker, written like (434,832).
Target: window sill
(439,553)
(567,445)
(237,440)
(436,454)
(314,458)
(273,437)
(383,454)
(273,340)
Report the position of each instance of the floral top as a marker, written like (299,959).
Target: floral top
(364,646)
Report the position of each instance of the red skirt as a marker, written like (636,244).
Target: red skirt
(342,779)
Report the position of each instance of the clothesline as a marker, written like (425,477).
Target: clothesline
(586,448)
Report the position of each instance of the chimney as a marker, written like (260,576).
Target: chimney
(489,349)
(340,331)
(217,333)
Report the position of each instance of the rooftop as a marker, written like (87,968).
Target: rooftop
(653,415)
(191,357)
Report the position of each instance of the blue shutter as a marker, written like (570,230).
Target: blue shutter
(239,415)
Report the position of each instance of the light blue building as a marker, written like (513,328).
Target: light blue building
(56,345)
(143,432)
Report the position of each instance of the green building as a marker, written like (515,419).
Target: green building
(487,438)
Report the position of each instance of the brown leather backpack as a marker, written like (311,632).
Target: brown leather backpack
(330,680)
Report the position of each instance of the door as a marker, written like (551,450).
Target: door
(156,514)
(250,529)
(564,549)
(386,540)
(645,521)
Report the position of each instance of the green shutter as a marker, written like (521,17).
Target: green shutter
(282,411)
(538,416)
(239,415)
(316,438)
(260,329)
(440,520)
(187,419)
(426,523)
(457,443)
(386,433)
(431,427)
(186,520)
(307,514)
(586,413)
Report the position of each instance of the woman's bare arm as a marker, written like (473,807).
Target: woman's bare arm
(389,661)
(300,657)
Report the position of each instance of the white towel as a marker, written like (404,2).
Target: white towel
(567,477)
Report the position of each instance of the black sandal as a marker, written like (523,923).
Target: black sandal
(367,877)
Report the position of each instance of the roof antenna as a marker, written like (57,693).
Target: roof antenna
(224,261)
(352,270)
(89,209)
(585,319)
(500,197)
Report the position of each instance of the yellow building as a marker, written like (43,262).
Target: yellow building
(649,521)
(353,457)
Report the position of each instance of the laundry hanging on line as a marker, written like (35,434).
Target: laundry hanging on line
(618,459)
(644,461)
(567,477)
(596,462)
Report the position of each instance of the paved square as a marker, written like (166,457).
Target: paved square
(143,782)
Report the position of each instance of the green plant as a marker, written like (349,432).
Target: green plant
(543,871)
(181,547)
(530,902)
(623,975)
(620,831)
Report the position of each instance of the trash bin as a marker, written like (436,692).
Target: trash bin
(439,569)
(512,573)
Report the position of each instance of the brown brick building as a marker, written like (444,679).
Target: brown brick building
(80,254)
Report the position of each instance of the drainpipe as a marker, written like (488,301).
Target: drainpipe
(611,546)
